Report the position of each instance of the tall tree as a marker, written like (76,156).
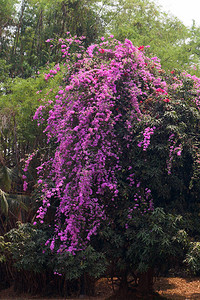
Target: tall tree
(41,20)
(144,23)
(7,21)
(7,11)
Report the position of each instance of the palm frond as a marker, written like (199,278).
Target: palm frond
(5,178)
(4,203)
(16,201)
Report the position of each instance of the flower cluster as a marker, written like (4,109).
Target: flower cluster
(172,150)
(161,91)
(147,136)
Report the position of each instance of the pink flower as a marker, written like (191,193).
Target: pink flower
(166,100)
(25,185)
(61,92)
(161,91)
(141,48)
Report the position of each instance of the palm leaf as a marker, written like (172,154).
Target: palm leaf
(16,201)
(5,178)
(4,203)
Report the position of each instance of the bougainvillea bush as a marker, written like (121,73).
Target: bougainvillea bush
(123,138)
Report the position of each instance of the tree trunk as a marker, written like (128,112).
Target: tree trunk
(122,293)
(145,282)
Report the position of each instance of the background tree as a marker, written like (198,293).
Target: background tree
(41,20)
(144,23)
(7,13)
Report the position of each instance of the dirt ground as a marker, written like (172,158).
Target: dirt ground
(169,288)
(178,288)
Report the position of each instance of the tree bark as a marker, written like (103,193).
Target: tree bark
(145,282)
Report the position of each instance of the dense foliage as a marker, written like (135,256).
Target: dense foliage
(123,138)
(34,268)
(23,45)
(113,139)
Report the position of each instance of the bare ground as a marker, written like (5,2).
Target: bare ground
(178,288)
(169,288)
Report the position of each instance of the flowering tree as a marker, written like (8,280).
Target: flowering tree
(113,102)
(92,124)
(121,132)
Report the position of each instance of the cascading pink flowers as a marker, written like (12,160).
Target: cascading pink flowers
(103,88)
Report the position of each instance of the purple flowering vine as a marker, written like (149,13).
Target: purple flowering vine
(102,94)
